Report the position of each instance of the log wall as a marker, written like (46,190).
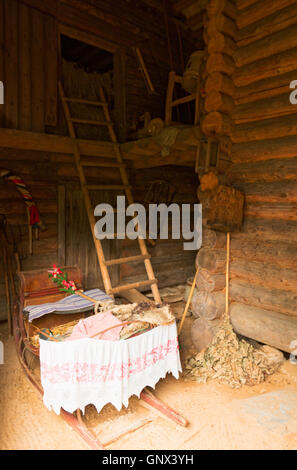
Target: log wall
(264,150)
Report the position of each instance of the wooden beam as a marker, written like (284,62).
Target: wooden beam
(49,8)
(182,4)
(174,158)
(88,38)
(109,17)
(263,325)
(85,22)
(16,139)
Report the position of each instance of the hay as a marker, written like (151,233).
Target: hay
(152,314)
(60,332)
(231,360)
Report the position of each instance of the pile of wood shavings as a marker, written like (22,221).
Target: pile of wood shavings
(231,360)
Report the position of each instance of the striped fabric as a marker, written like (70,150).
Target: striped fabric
(71,304)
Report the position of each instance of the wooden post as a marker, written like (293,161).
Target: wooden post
(169,95)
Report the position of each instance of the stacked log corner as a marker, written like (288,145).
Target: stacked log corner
(220,35)
(208,304)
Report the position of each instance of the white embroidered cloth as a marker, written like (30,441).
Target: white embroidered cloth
(87,371)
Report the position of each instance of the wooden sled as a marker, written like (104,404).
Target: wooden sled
(35,289)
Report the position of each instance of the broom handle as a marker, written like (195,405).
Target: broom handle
(127,323)
(78,292)
(52,338)
(227,274)
(188,301)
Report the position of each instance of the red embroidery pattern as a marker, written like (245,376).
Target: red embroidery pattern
(75,372)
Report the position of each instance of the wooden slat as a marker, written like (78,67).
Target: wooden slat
(24,68)
(16,139)
(185,99)
(37,71)
(89,102)
(2,72)
(82,20)
(103,187)
(89,121)
(103,164)
(51,70)
(11,63)
(182,4)
(49,8)
(127,259)
(134,285)
(88,38)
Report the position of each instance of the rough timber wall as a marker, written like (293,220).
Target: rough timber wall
(29,52)
(28,67)
(262,128)
(172,264)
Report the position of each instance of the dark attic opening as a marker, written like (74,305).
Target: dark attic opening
(148,220)
(84,69)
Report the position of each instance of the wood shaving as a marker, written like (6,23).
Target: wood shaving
(231,360)
(152,314)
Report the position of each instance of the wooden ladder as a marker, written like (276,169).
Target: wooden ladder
(170,103)
(119,164)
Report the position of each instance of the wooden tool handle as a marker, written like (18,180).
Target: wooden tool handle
(188,301)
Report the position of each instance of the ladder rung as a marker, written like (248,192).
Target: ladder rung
(102,187)
(82,101)
(94,123)
(104,164)
(123,236)
(185,99)
(128,259)
(134,285)
(115,211)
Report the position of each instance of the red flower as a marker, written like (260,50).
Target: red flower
(55,271)
(72,285)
